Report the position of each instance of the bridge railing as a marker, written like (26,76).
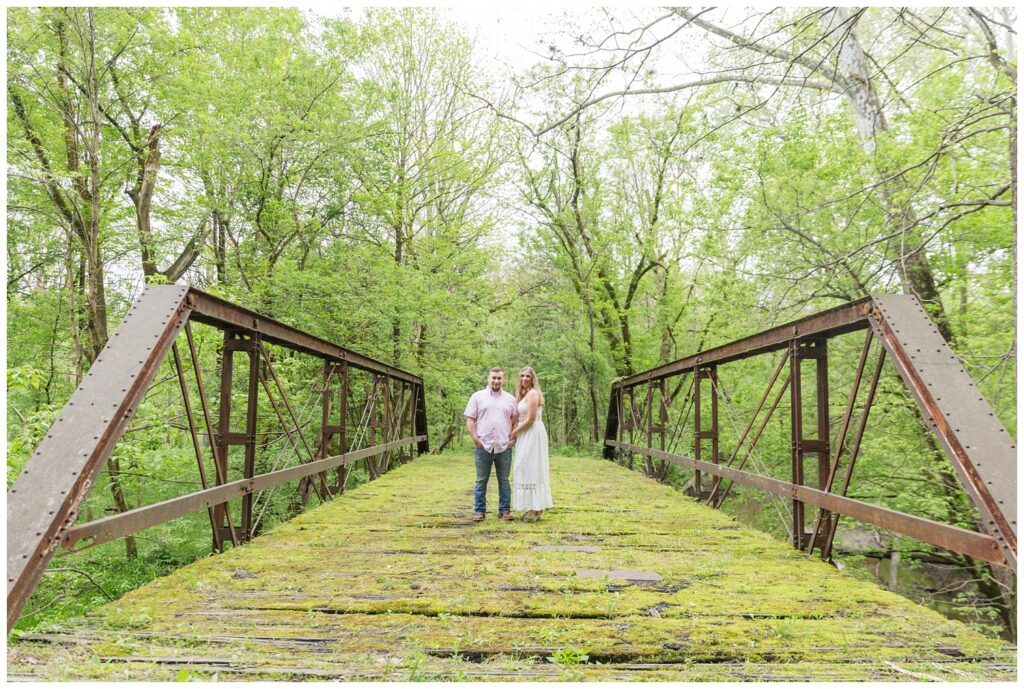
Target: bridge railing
(641,410)
(368,412)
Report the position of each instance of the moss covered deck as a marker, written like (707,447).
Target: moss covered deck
(392,581)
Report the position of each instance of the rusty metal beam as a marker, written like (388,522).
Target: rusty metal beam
(980,448)
(836,321)
(43,503)
(220,313)
(218,543)
(218,466)
(45,498)
(421,419)
(953,538)
(126,523)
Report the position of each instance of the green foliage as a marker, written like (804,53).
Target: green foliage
(569,657)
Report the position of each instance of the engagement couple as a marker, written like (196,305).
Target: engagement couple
(497,422)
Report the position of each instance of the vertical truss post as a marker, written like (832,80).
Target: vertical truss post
(385,459)
(817,351)
(649,420)
(620,401)
(247,438)
(219,464)
(713,379)
(631,426)
(796,438)
(662,425)
(405,426)
(343,472)
(698,489)
(249,469)
(371,428)
(408,417)
(822,448)
(399,420)
(700,374)
(223,441)
(218,543)
(326,432)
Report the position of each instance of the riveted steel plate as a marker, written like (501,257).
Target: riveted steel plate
(981,449)
(44,500)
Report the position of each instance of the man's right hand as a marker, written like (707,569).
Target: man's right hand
(477,442)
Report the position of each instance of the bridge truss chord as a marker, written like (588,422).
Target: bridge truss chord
(43,504)
(899,331)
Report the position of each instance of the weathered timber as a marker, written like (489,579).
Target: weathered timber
(731,602)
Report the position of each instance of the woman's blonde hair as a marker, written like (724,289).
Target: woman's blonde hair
(534,384)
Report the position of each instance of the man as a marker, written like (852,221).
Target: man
(490,416)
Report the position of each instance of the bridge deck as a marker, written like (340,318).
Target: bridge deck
(392,581)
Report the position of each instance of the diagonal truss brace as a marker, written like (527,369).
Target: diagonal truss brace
(981,450)
(45,499)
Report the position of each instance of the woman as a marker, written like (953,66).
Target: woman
(531,486)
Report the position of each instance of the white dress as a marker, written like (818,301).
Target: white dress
(531,483)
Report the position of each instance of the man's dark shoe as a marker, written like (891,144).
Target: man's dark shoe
(478,517)
(506,516)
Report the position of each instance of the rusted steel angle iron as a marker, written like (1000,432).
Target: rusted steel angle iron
(223,314)
(836,321)
(953,538)
(43,503)
(981,450)
(118,525)
(44,500)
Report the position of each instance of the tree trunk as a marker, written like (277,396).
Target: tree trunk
(912,263)
(76,287)
(220,227)
(595,410)
(148,160)
(396,321)
(97,303)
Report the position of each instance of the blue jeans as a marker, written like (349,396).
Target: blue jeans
(502,462)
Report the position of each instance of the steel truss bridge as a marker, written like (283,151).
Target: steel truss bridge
(375,414)
(896,328)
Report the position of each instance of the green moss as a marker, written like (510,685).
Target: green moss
(394,582)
